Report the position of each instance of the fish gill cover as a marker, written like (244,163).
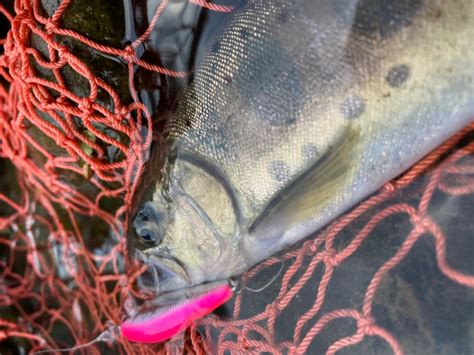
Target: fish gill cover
(392,274)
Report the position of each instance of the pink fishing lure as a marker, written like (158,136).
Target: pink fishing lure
(160,324)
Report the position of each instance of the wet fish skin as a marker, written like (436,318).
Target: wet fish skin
(300,110)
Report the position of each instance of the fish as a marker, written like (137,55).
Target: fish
(299,110)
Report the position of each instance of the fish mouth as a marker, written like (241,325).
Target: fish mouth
(163,274)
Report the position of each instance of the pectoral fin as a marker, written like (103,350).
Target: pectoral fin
(311,192)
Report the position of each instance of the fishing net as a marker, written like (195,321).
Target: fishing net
(393,274)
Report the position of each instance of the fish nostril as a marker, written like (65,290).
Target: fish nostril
(143,217)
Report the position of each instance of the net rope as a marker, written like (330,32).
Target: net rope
(453,176)
(56,291)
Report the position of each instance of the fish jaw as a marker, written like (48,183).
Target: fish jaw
(165,273)
(155,323)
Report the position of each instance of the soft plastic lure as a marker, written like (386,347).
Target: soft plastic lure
(171,314)
(165,317)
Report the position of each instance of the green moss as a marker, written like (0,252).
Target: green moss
(8,186)
(112,70)
(102,21)
(99,20)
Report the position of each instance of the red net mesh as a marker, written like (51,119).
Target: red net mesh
(315,266)
(62,216)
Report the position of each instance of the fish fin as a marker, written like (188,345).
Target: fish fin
(310,192)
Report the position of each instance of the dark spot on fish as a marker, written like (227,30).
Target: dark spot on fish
(283,17)
(398,75)
(383,18)
(244,33)
(267,91)
(227,79)
(309,151)
(279,171)
(353,107)
(215,47)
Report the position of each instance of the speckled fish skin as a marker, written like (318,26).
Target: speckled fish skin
(300,110)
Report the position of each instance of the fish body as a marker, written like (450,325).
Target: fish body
(300,109)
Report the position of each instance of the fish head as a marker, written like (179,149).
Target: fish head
(186,233)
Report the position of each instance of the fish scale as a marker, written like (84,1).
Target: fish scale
(300,110)
(248,121)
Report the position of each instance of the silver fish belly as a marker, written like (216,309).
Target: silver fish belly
(300,110)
